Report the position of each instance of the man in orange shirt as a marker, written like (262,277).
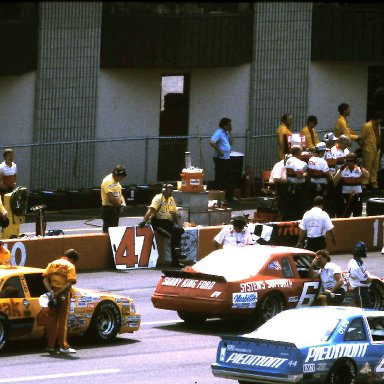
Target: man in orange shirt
(59,277)
(5,255)
(341,126)
(371,136)
(311,136)
(283,131)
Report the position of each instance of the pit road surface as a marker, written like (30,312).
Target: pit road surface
(163,351)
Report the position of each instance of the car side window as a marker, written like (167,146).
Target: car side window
(302,264)
(355,331)
(35,284)
(12,288)
(376,326)
(287,268)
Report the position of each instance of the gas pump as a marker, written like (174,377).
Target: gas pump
(16,203)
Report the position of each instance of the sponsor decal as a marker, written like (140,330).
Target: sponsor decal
(275,265)
(279,283)
(252,286)
(293,299)
(222,354)
(255,360)
(336,351)
(343,326)
(11,308)
(244,300)
(216,294)
(366,369)
(188,283)
(81,304)
(321,367)
(26,303)
(309,368)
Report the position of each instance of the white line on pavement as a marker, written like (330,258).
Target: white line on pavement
(159,323)
(59,375)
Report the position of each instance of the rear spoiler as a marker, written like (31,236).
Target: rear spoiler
(248,339)
(196,275)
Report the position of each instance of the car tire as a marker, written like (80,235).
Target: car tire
(342,372)
(192,318)
(375,206)
(376,291)
(270,306)
(105,322)
(4,331)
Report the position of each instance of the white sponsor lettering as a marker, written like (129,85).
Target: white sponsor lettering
(343,327)
(244,300)
(216,294)
(308,368)
(279,283)
(187,283)
(255,360)
(172,281)
(336,351)
(205,284)
(252,286)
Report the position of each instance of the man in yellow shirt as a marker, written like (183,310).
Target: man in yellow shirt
(283,131)
(162,213)
(371,136)
(59,277)
(341,126)
(112,199)
(5,255)
(309,131)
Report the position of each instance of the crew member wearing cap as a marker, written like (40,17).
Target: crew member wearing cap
(371,139)
(330,140)
(297,191)
(321,181)
(283,131)
(163,215)
(351,177)
(112,199)
(5,255)
(341,126)
(310,134)
(235,235)
(359,278)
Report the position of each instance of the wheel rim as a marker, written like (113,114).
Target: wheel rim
(2,331)
(344,374)
(105,322)
(376,299)
(271,308)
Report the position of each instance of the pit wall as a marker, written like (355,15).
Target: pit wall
(96,254)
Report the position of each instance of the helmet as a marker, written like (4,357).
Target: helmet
(360,249)
(330,136)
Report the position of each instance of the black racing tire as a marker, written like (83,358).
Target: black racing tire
(342,372)
(270,306)
(4,331)
(192,318)
(375,206)
(376,291)
(105,322)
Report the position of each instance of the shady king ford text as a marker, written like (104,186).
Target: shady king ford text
(187,283)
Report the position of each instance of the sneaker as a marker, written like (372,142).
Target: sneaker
(68,350)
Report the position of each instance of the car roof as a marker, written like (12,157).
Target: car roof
(9,270)
(334,311)
(262,249)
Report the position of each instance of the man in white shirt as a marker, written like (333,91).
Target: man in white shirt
(330,275)
(8,172)
(359,278)
(235,235)
(315,224)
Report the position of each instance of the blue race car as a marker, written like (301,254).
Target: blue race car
(335,345)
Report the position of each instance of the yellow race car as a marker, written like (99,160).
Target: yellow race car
(101,315)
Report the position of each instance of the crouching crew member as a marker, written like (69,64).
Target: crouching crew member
(359,278)
(296,179)
(351,177)
(321,180)
(331,292)
(163,215)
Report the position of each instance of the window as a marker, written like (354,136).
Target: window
(12,288)
(35,284)
(376,326)
(287,268)
(302,264)
(355,331)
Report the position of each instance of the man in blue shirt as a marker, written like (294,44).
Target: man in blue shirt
(221,141)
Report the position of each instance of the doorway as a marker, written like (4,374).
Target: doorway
(173,122)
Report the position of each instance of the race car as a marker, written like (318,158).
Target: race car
(336,345)
(254,282)
(102,315)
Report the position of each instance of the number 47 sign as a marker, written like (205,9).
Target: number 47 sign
(133,247)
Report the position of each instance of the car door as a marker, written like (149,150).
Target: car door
(16,307)
(376,333)
(34,287)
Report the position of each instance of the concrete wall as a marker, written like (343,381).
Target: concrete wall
(17,103)
(129,106)
(332,83)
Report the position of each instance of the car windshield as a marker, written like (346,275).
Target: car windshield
(302,328)
(235,263)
